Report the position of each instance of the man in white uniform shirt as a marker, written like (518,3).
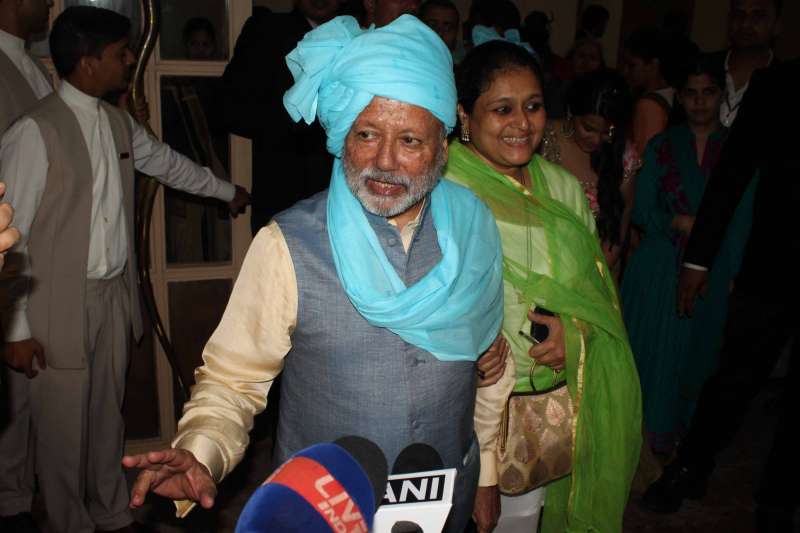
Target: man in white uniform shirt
(23,82)
(69,168)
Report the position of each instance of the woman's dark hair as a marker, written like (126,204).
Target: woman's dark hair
(193,25)
(605,93)
(647,45)
(484,63)
(82,31)
(703,64)
(671,51)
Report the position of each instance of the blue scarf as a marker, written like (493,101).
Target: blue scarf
(455,311)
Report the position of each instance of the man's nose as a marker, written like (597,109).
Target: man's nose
(386,158)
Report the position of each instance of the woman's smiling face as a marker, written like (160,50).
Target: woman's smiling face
(507,121)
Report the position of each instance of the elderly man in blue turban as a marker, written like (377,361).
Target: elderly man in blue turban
(374,298)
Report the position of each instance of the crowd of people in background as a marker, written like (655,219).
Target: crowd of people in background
(636,210)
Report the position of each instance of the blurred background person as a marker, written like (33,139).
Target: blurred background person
(753,26)
(200,39)
(24,80)
(589,143)
(290,161)
(644,67)
(443,18)
(762,314)
(536,32)
(382,12)
(593,23)
(676,356)
(198,229)
(586,56)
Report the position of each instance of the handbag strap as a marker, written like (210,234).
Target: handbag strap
(553,385)
(503,436)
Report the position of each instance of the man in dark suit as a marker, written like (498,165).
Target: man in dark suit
(762,315)
(290,161)
(752,28)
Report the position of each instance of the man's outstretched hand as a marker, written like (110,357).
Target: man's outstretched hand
(175,474)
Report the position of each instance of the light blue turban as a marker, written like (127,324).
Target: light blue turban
(455,310)
(338,68)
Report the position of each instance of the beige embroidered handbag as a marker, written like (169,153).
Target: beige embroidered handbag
(535,441)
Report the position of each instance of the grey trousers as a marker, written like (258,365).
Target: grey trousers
(78,429)
(16,444)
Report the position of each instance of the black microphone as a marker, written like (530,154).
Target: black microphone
(417,457)
(371,459)
(415,492)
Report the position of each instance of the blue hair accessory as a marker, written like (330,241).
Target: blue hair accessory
(483,34)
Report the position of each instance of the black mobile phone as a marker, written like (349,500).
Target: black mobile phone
(540,332)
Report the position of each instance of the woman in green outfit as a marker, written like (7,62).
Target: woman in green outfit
(674,355)
(552,260)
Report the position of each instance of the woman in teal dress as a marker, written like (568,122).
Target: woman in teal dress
(675,355)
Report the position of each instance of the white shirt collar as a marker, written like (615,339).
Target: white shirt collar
(78,98)
(11,44)
(728,58)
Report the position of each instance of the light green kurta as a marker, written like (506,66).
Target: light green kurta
(561,186)
(553,259)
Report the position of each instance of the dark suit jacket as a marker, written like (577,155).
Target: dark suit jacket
(761,141)
(290,161)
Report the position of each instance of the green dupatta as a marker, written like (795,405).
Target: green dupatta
(600,370)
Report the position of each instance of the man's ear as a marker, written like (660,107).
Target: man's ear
(86,65)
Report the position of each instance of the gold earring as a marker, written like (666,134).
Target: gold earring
(465,135)
(568,127)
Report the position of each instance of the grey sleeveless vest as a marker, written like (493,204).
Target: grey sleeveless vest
(58,245)
(346,377)
(16,94)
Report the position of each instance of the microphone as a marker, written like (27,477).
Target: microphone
(321,489)
(417,457)
(419,493)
